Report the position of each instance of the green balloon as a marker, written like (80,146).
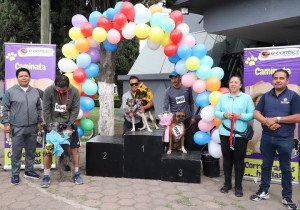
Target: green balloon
(86,124)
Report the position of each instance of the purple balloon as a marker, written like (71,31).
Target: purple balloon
(95,54)
(78,20)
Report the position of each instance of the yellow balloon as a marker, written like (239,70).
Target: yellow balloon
(69,51)
(75,33)
(155,8)
(99,34)
(156,34)
(214,97)
(142,31)
(166,40)
(192,63)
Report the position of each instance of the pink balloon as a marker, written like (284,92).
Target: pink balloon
(205,126)
(199,86)
(189,40)
(85,114)
(224,90)
(188,79)
(113,36)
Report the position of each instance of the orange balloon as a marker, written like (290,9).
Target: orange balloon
(82,45)
(213,84)
(78,87)
(217,122)
(155,8)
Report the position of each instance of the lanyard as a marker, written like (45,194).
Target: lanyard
(232,135)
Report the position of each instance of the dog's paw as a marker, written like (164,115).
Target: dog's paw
(183,150)
(169,152)
(132,129)
(150,130)
(140,129)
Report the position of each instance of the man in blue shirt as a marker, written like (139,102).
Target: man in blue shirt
(278,110)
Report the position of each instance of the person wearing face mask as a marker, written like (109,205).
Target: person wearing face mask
(21,116)
(235,109)
(61,103)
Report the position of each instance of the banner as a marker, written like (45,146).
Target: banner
(260,64)
(40,60)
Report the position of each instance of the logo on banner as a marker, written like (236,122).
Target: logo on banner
(35,51)
(283,53)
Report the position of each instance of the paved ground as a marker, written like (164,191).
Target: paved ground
(116,193)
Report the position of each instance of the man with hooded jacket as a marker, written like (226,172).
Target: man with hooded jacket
(61,103)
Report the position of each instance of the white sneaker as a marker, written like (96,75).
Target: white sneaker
(260,195)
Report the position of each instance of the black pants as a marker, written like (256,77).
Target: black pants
(127,126)
(234,158)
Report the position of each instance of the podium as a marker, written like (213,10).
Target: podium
(142,154)
(180,167)
(104,156)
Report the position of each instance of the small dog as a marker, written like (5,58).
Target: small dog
(64,161)
(133,106)
(177,131)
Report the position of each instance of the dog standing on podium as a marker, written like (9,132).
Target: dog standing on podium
(177,132)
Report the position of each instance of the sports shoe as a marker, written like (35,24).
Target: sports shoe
(238,192)
(289,203)
(260,195)
(31,175)
(225,189)
(15,180)
(46,181)
(77,178)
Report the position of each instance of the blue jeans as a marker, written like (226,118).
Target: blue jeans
(268,146)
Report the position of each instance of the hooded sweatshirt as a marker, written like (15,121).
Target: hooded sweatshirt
(20,108)
(61,107)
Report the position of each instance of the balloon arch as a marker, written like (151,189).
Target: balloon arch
(126,21)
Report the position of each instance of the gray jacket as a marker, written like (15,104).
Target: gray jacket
(21,109)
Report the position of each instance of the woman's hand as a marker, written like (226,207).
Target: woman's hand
(227,115)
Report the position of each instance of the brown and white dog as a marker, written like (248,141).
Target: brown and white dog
(133,106)
(177,131)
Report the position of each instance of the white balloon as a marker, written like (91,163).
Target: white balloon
(207,113)
(153,45)
(142,16)
(80,114)
(113,36)
(128,30)
(214,149)
(67,65)
(215,136)
(184,28)
(138,7)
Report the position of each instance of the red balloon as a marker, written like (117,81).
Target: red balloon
(92,96)
(224,90)
(87,29)
(119,21)
(79,75)
(176,36)
(177,16)
(170,50)
(128,10)
(105,23)
(77,122)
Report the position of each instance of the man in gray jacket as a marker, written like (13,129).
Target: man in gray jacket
(21,116)
(61,104)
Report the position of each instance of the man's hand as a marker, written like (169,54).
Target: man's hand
(7,129)
(192,122)
(274,127)
(69,132)
(270,121)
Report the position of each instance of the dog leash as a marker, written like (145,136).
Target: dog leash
(232,134)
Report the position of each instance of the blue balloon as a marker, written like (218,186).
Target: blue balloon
(180,67)
(89,87)
(93,18)
(156,19)
(118,6)
(207,60)
(202,99)
(72,42)
(201,138)
(217,72)
(174,59)
(203,72)
(83,60)
(109,46)
(86,103)
(184,51)
(92,70)
(168,25)
(110,13)
(80,131)
(199,50)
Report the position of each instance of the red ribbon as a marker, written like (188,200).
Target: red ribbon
(232,131)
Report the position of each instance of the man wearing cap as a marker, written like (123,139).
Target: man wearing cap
(180,99)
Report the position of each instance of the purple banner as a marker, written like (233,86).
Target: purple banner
(40,60)
(260,64)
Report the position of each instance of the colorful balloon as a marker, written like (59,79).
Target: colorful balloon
(201,138)
(128,30)
(79,75)
(119,21)
(69,50)
(188,79)
(217,72)
(214,97)
(192,63)
(93,18)
(156,34)
(86,103)
(87,29)
(176,36)
(213,84)
(202,99)
(82,45)
(199,50)
(75,33)
(168,24)
(205,126)
(207,113)
(199,86)
(105,23)
(128,10)
(89,87)
(67,65)
(203,72)
(83,60)
(78,20)
(170,50)
(99,34)
(92,70)
(86,124)
(142,31)
(113,36)
(177,16)
(184,51)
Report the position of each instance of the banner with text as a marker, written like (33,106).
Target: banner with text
(260,64)
(40,60)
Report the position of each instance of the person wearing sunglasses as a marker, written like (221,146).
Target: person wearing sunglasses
(135,87)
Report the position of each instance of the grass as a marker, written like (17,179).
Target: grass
(94,116)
